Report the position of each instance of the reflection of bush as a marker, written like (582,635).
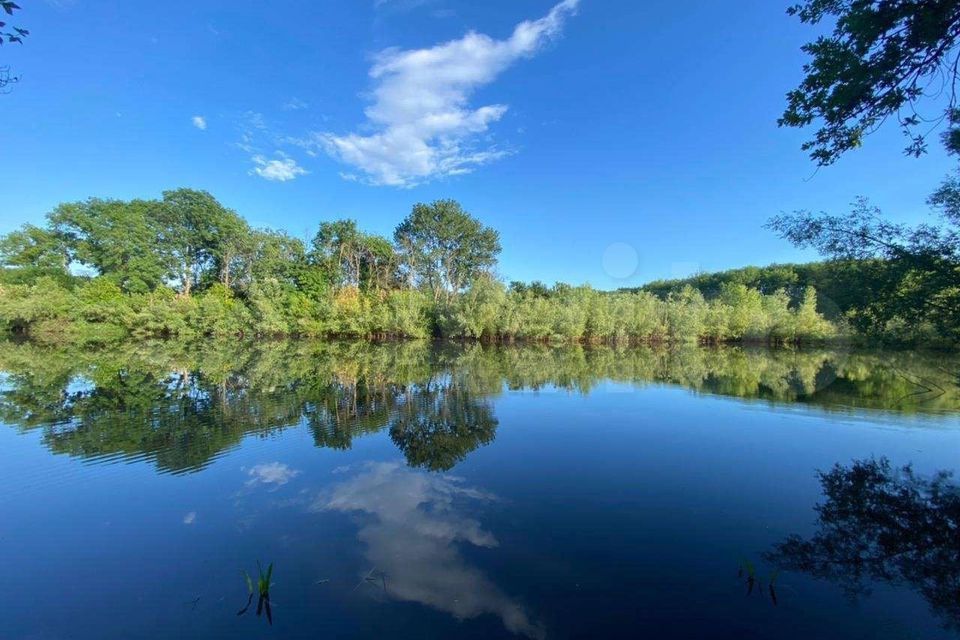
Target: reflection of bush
(884,524)
(180,405)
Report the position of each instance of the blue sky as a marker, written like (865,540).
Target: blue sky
(591,134)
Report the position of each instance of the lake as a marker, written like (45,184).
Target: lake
(436,491)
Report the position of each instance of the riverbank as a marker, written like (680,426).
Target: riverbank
(97,311)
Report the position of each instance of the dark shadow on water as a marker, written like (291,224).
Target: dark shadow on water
(881,524)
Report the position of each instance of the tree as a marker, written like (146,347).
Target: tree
(352,257)
(444,249)
(33,248)
(919,281)
(274,255)
(232,243)
(477,312)
(9,33)
(120,240)
(881,60)
(197,233)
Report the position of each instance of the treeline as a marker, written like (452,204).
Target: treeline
(185,266)
(878,299)
(842,286)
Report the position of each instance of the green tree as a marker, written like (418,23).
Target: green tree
(352,257)
(273,256)
(444,249)
(477,312)
(920,281)
(22,306)
(878,63)
(118,239)
(39,251)
(196,233)
(233,241)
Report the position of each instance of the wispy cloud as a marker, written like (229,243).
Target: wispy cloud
(252,127)
(280,169)
(295,104)
(199,122)
(422,125)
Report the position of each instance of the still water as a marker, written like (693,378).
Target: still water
(421,491)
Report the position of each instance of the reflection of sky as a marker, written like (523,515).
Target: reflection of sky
(412,538)
(272,473)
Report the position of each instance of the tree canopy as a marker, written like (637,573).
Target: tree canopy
(912,273)
(883,59)
(444,248)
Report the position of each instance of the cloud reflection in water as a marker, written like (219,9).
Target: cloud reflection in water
(416,523)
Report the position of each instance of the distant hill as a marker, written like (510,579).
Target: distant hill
(842,286)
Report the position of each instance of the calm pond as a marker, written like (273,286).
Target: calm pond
(424,491)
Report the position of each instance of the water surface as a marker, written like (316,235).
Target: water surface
(417,490)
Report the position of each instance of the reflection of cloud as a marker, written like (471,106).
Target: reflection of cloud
(412,540)
(190,518)
(275,473)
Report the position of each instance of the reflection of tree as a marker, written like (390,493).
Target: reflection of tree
(181,420)
(884,524)
(181,409)
(437,425)
(181,405)
(347,410)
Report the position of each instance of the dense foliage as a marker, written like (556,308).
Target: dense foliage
(186,266)
(877,298)
(911,274)
(881,60)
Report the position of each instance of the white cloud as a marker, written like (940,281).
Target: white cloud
(423,127)
(190,518)
(199,122)
(416,524)
(271,473)
(279,169)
